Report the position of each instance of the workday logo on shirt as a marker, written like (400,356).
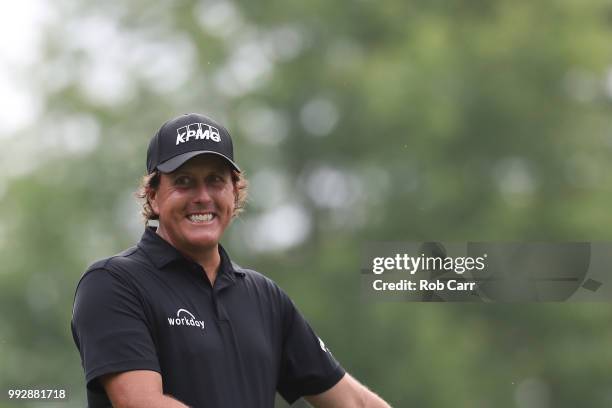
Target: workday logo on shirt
(185,318)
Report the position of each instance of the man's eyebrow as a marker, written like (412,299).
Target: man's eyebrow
(180,173)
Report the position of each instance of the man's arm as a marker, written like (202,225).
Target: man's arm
(136,389)
(347,393)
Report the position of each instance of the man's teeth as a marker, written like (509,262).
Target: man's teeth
(200,217)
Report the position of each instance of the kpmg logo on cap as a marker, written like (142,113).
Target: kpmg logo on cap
(197,131)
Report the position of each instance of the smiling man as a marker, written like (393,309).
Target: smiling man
(173,322)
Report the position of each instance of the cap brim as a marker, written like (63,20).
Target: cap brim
(177,161)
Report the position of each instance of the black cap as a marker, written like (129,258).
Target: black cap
(187,136)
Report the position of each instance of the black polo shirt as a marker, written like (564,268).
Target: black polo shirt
(230,345)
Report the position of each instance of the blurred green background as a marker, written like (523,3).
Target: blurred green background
(354,121)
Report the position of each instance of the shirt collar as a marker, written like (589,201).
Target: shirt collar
(162,253)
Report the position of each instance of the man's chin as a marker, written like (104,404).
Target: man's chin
(203,242)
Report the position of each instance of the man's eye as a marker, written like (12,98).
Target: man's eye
(182,181)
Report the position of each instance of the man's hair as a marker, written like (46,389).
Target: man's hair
(151,182)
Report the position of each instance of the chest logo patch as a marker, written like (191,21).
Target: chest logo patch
(185,318)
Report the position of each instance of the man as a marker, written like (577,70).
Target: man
(172,322)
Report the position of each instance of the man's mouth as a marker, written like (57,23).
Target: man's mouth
(201,217)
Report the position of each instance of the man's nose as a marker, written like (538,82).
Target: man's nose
(202,193)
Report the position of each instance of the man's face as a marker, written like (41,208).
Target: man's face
(195,204)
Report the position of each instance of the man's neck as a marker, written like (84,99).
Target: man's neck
(210,263)
(208,258)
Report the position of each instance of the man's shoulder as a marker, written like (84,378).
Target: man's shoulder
(126,258)
(122,264)
(260,281)
(253,275)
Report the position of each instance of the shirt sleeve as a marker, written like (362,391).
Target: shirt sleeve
(307,366)
(110,328)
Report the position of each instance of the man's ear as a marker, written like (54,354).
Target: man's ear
(236,192)
(152,198)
